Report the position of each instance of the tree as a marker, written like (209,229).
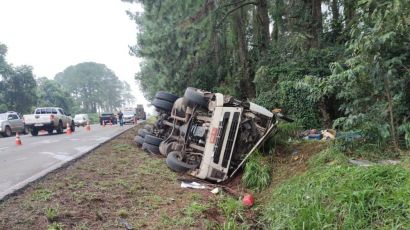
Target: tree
(50,93)
(93,86)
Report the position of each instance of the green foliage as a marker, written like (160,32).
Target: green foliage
(42,195)
(55,226)
(94,86)
(257,173)
(50,93)
(342,197)
(51,214)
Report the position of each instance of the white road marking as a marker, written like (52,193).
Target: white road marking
(3,148)
(59,156)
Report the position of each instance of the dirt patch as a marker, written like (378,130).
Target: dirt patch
(115,186)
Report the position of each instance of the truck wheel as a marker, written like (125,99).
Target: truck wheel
(60,128)
(139,140)
(50,131)
(162,95)
(153,140)
(194,97)
(148,128)
(174,162)
(34,132)
(151,148)
(143,132)
(8,132)
(163,105)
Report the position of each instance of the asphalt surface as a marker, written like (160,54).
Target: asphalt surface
(37,156)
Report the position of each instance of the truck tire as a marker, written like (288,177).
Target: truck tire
(163,105)
(50,131)
(153,140)
(139,140)
(193,97)
(148,128)
(174,162)
(151,148)
(142,132)
(162,95)
(7,132)
(34,132)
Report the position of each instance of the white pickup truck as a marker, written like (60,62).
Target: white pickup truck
(48,119)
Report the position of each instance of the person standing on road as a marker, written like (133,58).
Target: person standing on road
(120,117)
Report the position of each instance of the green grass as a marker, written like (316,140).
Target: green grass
(51,214)
(257,173)
(335,195)
(42,195)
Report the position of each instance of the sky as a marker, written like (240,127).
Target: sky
(51,35)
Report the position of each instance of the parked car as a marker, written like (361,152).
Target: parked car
(10,122)
(209,135)
(108,118)
(81,120)
(129,115)
(48,119)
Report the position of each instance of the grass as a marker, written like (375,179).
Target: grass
(51,214)
(42,195)
(257,173)
(335,195)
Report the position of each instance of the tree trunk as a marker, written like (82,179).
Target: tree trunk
(316,24)
(336,24)
(349,11)
(390,109)
(262,26)
(247,88)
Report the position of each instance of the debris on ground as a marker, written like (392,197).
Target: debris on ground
(193,185)
(318,134)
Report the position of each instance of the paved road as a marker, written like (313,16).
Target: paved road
(39,155)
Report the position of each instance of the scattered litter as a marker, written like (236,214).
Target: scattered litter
(315,134)
(248,200)
(389,162)
(215,190)
(364,163)
(194,185)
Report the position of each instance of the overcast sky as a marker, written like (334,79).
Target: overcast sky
(50,35)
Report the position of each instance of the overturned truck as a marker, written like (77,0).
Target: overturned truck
(209,135)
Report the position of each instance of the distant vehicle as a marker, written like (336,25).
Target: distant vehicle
(140,113)
(10,122)
(48,119)
(129,115)
(81,120)
(107,118)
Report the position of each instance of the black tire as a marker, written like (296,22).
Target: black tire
(193,98)
(50,131)
(34,132)
(7,132)
(163,105)
(151,148)
(148,128)
(176,164)
(60,128)
(139,140)
(162,95)
(143,132)
(153,140)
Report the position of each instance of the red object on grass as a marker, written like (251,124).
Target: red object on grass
(248,200)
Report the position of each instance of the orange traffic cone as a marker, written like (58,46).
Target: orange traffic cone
(88,127)
(68,129)
(18,140)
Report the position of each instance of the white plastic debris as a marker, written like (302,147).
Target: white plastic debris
(192,185)
(215,191)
